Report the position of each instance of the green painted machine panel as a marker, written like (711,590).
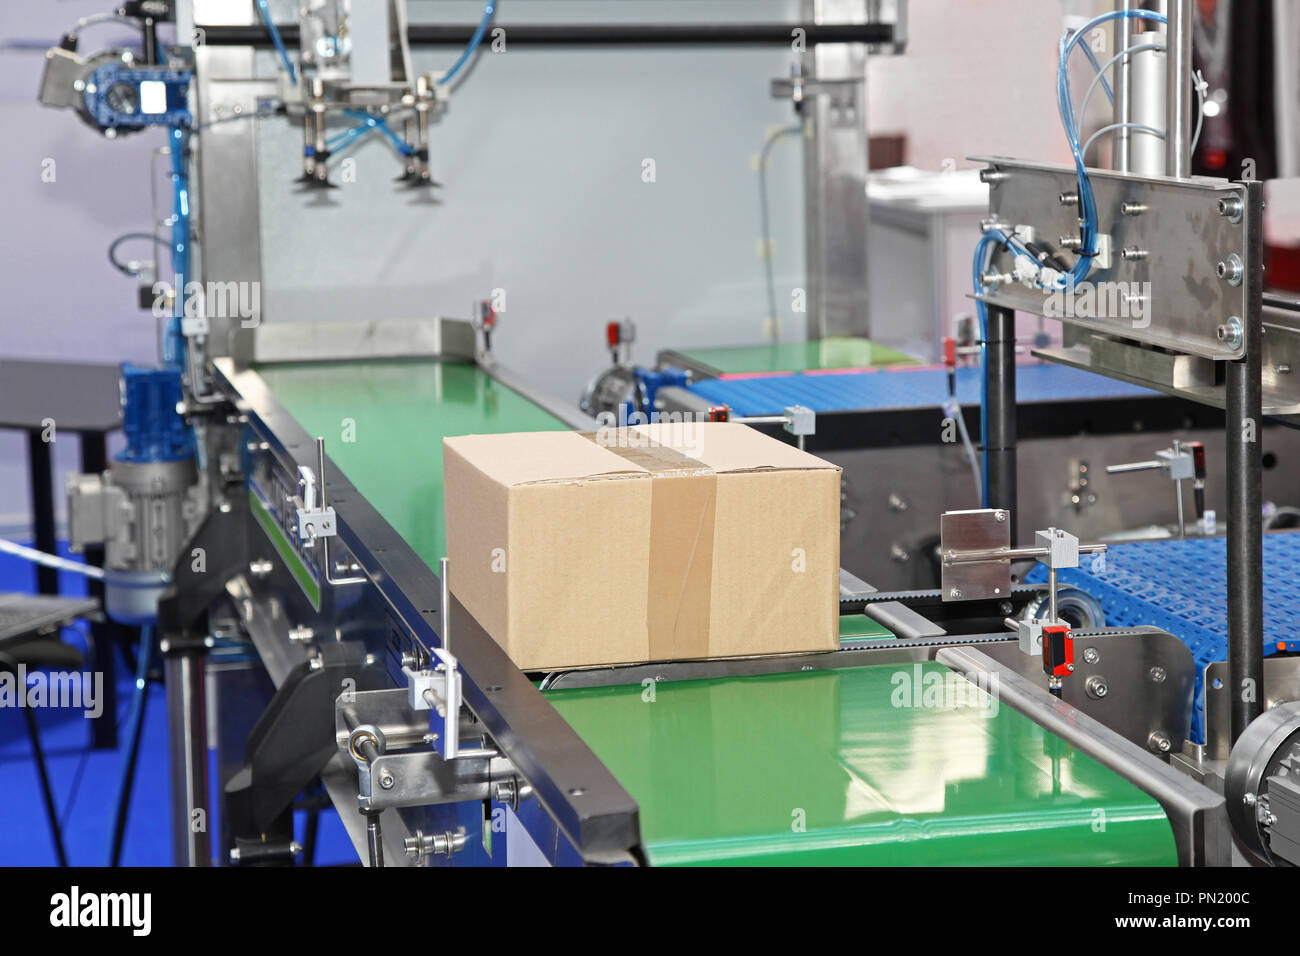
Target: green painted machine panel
(832,353)
(384,421)
(858,766)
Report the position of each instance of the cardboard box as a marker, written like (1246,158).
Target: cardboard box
(649,543)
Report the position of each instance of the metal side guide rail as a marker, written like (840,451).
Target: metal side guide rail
(1196,813)
(578,791)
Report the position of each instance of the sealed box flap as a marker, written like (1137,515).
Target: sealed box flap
(731,447)
(527,458)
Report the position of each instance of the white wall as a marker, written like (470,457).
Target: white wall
(978,78)
(541,154)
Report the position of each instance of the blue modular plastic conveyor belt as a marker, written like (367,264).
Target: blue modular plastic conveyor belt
(1181,585)
(901,387)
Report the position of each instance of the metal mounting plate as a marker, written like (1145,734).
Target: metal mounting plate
(1194,378)
(1281,683)
(1181,232)
(975,531)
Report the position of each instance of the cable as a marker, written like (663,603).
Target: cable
(1198,84)
(1101,71)
(272,29)
(1138,127)
(97,18)
(257,114)
(1065,106)
(764,217)
(488,10)
(135,724)
(50,560)
(123,268)
(369,122)
(953,410)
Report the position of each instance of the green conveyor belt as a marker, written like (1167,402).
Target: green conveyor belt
(850,767)
(726,770)
(400,411)
(829,353)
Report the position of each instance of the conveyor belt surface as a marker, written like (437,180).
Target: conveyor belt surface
(1181,585)
(399,412)
(901,388)
(804,767)
(830,353)
(854,766)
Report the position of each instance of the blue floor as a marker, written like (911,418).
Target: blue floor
(85,782)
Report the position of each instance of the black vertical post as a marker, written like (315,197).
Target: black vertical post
(1245,524)
(40,462)
(149,40)
(105,634)
(1000,411)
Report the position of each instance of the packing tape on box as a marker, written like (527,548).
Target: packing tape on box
(680,588)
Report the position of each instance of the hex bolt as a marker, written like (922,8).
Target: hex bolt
(1133,208)
(1230,208)
(1090,655)
(1096,687)
(1132,254)
(1068,199)
(991,174)
(386,780)
(1000,515)
(1157,675)
(1159,743)
(1230,332)
(955,593)
(1231,270)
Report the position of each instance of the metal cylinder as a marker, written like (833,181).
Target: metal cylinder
(1147,76)
(141,555)
(1122,106)
(188,741)
(1178,90)
(374,840)
(1256,757)
(156,491)
(672,398)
